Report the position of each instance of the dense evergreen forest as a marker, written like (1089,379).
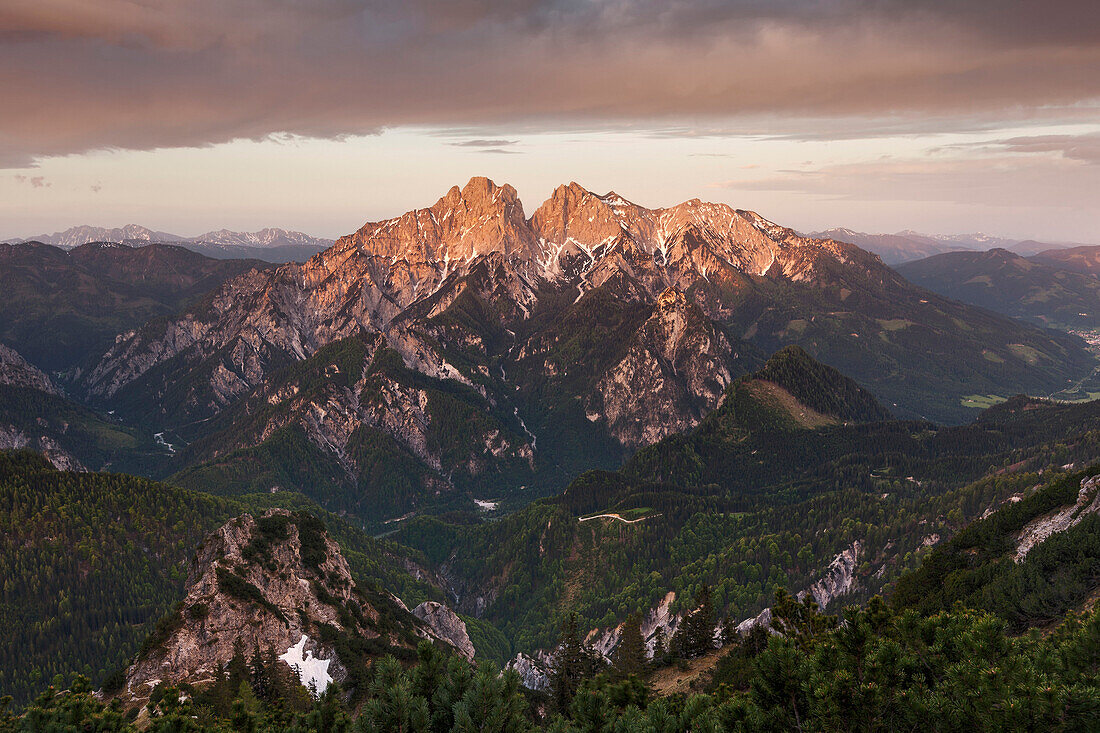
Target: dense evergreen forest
(90,561)
(879,670)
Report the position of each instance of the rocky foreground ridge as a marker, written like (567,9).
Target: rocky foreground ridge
(278,585)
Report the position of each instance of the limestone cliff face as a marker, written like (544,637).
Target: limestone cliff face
(464,290)
(839,578)
(277,584)
(446,625)
(1039,530)
(15,371)
(676,370)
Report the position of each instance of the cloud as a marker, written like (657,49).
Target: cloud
(998,180)
(163,73)
(484,143)
(1085,148)
(33,181)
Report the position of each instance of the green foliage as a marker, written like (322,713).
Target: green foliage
(820,387)
(878,671)
(748,515)
(629,657)
(234,585)
(491,645)
(574,661)
(88,563)
(977,567)
(695,637)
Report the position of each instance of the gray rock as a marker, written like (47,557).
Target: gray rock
(446,625)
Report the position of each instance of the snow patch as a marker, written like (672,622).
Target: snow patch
(312,672)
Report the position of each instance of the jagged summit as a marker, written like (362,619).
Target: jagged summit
(466,222)
(580,235)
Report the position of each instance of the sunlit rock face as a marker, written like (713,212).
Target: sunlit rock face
(471,292)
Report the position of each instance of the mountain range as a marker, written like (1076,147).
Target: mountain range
(270,245)
(909,245)
(1037,288)
(1085,259)
(468,350)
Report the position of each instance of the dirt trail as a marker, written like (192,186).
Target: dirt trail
(616,516)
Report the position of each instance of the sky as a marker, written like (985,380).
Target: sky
(320,115)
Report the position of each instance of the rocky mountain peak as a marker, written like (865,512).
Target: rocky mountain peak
(574,213)
(429,244)
(276,585)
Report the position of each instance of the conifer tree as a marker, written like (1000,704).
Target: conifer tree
(696,634)
(660,647)
(572,663)
(629,657)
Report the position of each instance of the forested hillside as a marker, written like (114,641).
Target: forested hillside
(1029,563)
(90,561)
(62,308)
(879,671)
(1045,292)
(746,513)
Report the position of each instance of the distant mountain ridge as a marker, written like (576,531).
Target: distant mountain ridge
(1035,289)
(1084,259)
(63,306)
(271,244)
(909,245)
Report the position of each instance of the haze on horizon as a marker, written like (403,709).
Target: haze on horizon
(877,115)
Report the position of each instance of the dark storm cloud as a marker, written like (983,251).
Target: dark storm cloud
(83,74)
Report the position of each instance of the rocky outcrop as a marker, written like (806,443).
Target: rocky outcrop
(12,438)
(839,577)
(16,372)
(446,625)
(534,671)
(1039,530)
(764,619)
(274,585)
